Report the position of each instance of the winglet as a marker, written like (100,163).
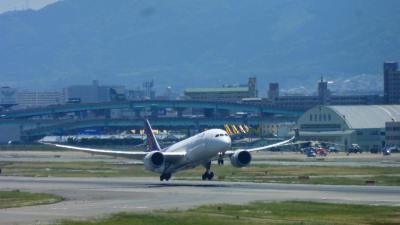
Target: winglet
(151,139)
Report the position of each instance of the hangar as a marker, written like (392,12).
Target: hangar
(346,125)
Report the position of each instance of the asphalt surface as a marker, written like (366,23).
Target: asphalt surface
(97,197)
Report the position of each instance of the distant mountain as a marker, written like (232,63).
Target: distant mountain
(197,43)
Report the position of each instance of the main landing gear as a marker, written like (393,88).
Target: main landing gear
(207,175)
(165,176)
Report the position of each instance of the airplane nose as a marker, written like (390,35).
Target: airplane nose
(226,142)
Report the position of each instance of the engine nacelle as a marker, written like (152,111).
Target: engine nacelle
(240,158)
(154,161)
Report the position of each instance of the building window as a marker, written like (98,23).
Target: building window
(374,132)
(310,117)
(329,117)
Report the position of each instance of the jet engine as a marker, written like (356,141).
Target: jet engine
(154,161)
(240,158)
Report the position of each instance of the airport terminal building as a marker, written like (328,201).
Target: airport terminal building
(346,125)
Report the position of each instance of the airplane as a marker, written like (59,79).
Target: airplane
(194,151)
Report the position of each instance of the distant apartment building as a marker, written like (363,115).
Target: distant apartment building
(273,91)
(146,92)
(7,97)
(93,93)
(223,94)
(324,97)
(31,99)
(391,78)
(11,97)
(323,92)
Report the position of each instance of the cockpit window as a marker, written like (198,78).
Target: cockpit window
(217,135)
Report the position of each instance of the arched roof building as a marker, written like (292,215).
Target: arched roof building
(346,125)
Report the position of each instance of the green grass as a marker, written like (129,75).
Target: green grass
(260,213)
(255,173)
(74,169)
(31,147)
(11,199)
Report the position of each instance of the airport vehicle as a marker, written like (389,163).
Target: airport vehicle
(355,148)
(321,151)
(387,151)
(309,152)
(197,150)
(333,149)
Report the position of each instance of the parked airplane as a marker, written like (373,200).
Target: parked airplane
(197,150)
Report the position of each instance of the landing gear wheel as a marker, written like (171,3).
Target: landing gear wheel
(207,176)
(165,176)
(210,176)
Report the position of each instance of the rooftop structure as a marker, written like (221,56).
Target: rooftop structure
(391,74)
(29,99)
(223,94)
(367,116)
(93,93)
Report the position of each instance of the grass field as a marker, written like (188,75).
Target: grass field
(255,173)
(10,199)
(260,213)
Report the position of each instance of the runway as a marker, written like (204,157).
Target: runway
(96,197)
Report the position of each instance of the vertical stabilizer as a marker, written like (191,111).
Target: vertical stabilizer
(152,143)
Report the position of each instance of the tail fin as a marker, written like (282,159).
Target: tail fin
(151,139)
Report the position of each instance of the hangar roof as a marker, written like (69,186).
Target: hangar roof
(368,116)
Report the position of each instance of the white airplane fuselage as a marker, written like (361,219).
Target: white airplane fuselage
(200,149)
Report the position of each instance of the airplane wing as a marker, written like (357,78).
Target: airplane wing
(293,140)
(169,156)
(263,148)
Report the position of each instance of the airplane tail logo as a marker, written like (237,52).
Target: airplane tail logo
(152,143)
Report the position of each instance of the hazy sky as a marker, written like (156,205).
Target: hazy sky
(10,5)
